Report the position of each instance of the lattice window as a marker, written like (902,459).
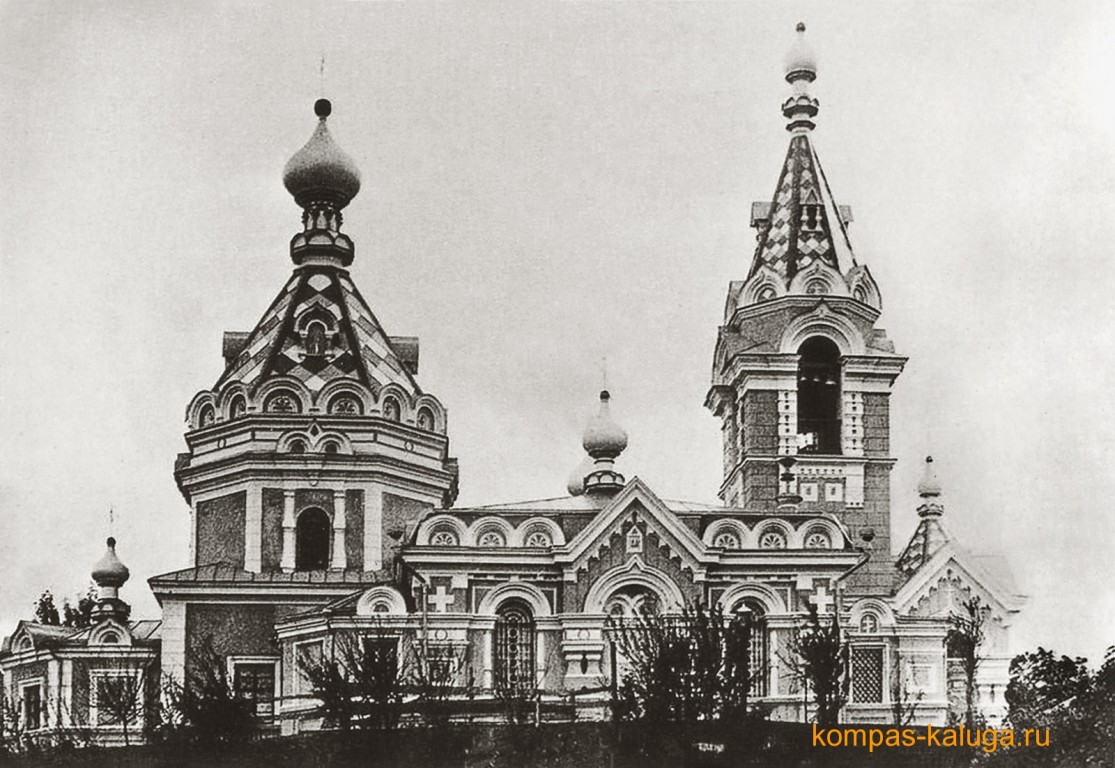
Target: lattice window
(255,682)
(514,662)
(867,675)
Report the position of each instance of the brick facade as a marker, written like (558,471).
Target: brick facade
(220,529)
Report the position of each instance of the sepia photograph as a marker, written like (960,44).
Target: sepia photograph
(551,384)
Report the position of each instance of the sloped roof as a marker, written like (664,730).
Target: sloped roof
(928,538)
(360,348)
(227,573)
(793,240)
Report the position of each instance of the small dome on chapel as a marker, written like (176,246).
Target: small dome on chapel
(109,571)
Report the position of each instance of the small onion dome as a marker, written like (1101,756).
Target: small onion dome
(603,437)
(801,62)
(929,484)
(576,484)
(321,171)
(109,571)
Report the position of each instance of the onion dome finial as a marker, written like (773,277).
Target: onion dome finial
(801,70)
(110,574)
(603,437)
(323,179)
(109,571)
(321,170)
(603,440)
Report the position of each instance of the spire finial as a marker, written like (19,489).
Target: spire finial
(801,70)
(929,489)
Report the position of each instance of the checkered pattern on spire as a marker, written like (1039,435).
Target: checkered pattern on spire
(928,539)
(804,224)
(355,344)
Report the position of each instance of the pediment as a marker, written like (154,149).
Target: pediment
(635,507)
(939,588)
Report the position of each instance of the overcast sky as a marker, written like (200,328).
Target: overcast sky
(546,184)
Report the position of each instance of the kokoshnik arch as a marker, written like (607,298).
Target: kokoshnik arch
(321,493)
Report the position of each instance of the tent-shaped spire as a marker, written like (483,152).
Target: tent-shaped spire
(802,224)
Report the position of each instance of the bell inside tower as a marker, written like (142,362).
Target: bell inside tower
(819,397)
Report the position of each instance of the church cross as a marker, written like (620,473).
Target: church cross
(822,600)
(441,600)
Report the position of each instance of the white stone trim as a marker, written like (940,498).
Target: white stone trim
(253,527)
(173,634)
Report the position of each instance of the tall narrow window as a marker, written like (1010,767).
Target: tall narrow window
(311,551)
(426,419)
(391,410)
(316,341)
(759,665)
(514,659)
(867,675)
(819,397)
(32,707)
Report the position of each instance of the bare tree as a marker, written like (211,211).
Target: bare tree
(903,705)
(120,695)
(683,667)
(819,658)
(370,679)
(964,639)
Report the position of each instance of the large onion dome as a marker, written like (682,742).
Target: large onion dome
(321,171)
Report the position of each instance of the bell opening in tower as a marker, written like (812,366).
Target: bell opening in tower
(819,397)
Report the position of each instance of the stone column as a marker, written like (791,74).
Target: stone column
(340,559)
(253,528)
(287,562)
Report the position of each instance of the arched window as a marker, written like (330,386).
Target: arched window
(297,446)
(772,538)
(491,538)
(817,539)
(426,419)
(391,410)
(443,537)
(538,540)
(766,293)
(330,447)
(726,540)
(206,416)
(631,602)
(819,396)
(238,407)
(317,342)
(282,402)
(756,615)
(514,648)
(311,550)
(110,638)
(345,405)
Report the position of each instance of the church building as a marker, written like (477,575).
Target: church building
(322,492)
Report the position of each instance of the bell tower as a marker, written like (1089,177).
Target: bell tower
(800,369)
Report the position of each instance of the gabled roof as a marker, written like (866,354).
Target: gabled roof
(988,572)
(45,636)
(360,347)
(792,238)
(658,514)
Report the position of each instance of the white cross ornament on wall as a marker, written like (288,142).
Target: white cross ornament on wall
(821,600)
(441,600)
